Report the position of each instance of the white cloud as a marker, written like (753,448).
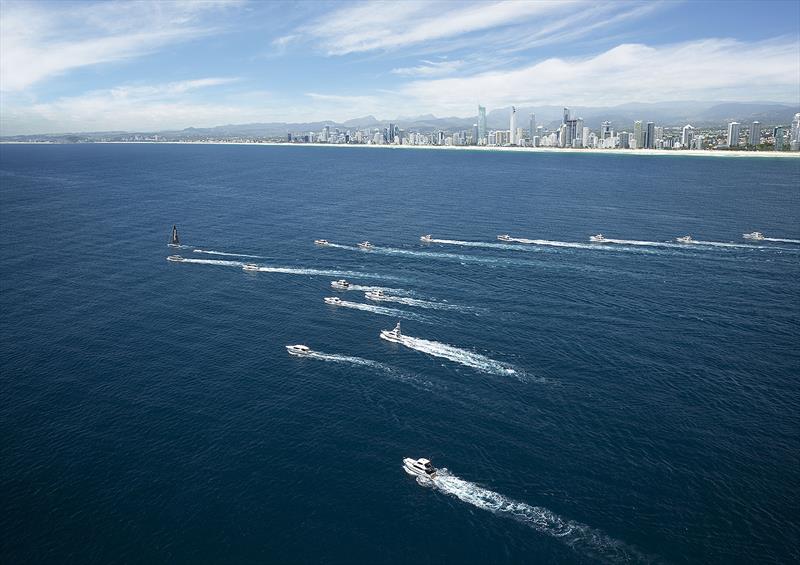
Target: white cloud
(385,26)
(134,108)
(38,42)
(710,69)
(430,68)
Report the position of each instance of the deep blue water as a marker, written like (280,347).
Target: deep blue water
(150,412)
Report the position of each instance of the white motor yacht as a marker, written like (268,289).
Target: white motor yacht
(341,284)
(335,301)
(419,468)
(298,350)
(250,267)
(504,237)
(365,245)
(392,335)
(321,242)
(684,239)
(755,236)
(175,258)
(426,238)
(597,238)
(374,295)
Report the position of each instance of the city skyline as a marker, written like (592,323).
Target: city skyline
(90,66)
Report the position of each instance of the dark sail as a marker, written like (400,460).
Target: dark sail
(175,240)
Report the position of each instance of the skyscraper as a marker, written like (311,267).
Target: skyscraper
(686,136)
(605,130)
(755,134)
(481,124)
(474,134)
(532,127)
(778,134)
(638,134)
(513,126)
(733,134)
(566,116)
(650,136)
(794,145)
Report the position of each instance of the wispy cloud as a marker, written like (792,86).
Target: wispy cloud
(710,69)
(136,108)
(430,68)
(38,41)
(387,26)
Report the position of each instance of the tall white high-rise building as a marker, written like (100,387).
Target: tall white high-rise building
(638,134)
(755,134)
(777,133)
(686,136)
(733,134)
(794,143)
(481,125)
(513,125)
(532,126)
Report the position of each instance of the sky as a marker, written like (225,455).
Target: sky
(144,66)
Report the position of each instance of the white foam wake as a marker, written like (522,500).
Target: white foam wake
(291,270)
(427,254)
(366,288)
(484,244)
(207,252)
(461,356)
(567,244)
(360,361)
(580,537)
(383,311)
(641,243)
(422,303)
(214,262)
(723,244)
(781,240)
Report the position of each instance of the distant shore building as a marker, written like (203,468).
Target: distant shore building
(650,136)
(733,134)
(686,136)
(755,134)
(638,134)
(794,144)
(777,133)
(482,124)
(532,126)
(513,125)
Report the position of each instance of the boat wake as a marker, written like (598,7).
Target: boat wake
(423,303)
(433,255)
(781,240)
(641,243)
(461,356)
(290,270)
(724,244)
(484,244)
(219,262)
(361,362)
(206,252)
(580,245)
(580,537)
(395,291)
(383,311)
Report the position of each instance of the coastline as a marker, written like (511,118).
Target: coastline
(529,150)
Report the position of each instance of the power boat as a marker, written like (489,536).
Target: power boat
(755,236)
(174,240)
(365,245)
(298,350)
(599,238)
(419,468)
(504,237)
(250,267)
(392,335)
(374,295)
(177,258)
(341,284)
(333,300)
(321,242)
(426,238)
(684,239)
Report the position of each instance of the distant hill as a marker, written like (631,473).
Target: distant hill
(699,114)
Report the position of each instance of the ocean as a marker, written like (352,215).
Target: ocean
(628,402)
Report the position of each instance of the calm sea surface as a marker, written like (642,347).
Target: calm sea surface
(629,402)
